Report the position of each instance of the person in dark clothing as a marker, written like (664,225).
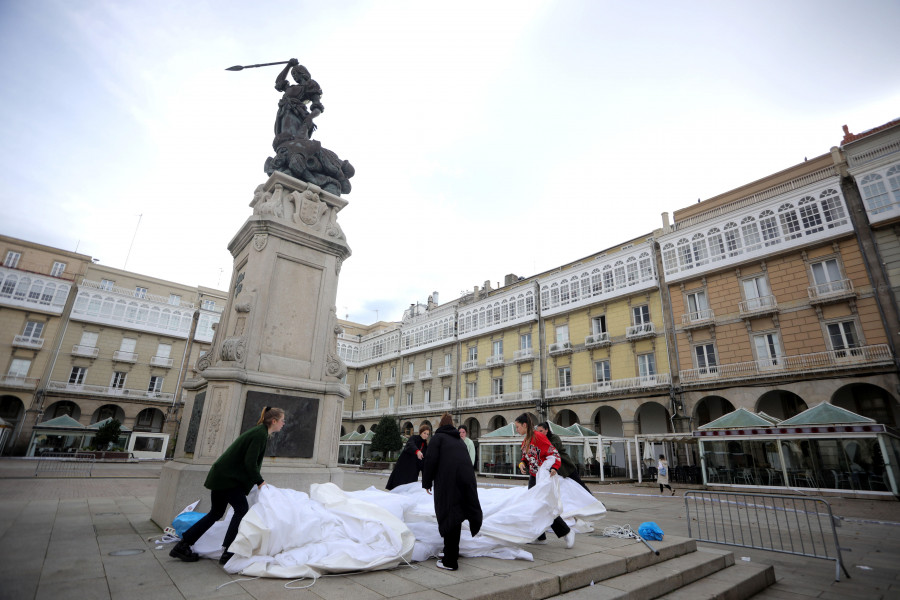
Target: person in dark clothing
(536,450)
(449,469)
(409,463)
(567,469)
(230,479)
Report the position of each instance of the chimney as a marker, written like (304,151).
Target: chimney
(510,279)
(487,286)
(434,295)
(665,218)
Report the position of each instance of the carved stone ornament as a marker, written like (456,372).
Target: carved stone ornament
(334,366)
(216,420)
(337,266)
(203,363)
(260,240)
(244,307)
(233,348)
(308,207)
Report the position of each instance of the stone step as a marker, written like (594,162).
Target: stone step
(738,582)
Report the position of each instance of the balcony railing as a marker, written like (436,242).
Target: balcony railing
(831,291)
(640,331)
(864,356)
(123,356)
(409,378)
(105,390)
(14,381)
(32,343)
(79,350)
(362,387)
(758,306)
(560,348)
(497,399)
(426,374)
(445,371)
(610,386)
(389,381)
(131,293)
(470,365)
(346,414)
(494,361)
(523,355)
(376,385)
(698,318)
(597,339)
(161,361)
(431,407)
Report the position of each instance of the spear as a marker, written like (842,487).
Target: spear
(240,68)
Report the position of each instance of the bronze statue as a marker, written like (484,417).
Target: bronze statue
(293,116)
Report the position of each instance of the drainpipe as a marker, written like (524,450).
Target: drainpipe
(183,371)
(543,407)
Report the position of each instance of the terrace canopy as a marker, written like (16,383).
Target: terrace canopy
(354,448)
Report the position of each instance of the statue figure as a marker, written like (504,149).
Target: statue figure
(293,116)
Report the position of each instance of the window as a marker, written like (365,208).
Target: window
(834,210)
(525,341)
(790,224)
(826,271)
(409,398)
(768,223)
(767,349)
(497,386)
(472,353)
(89,339)
(564,377)
(107,284)
(118,380)
(378,376)
(208,304)
(809,215)
(164,350)
(19,367)
(128,345)
(76,377)
(12,259)
(698,308)
(156,383)
(427,364)
(393,372)
(732,240)
(756,292)
(705,358)
(410,368)
(497,348)
(526,382)
(601,371)
(750,233)
(646,365)
(363,404)
(447,360)
(843,338)
(376,402)
(640,314)
(427,396)
(598,325)
(875,193)
(33,330)
(446,394)
(390,402)
(471,389)
(175,299)
(365,378)
(58,269)
(140,292)
(716,245)
(562,334)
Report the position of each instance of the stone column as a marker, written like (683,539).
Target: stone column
(275,345)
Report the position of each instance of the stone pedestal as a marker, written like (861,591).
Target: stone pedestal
(275,345)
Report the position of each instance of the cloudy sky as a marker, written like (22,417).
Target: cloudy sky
(488,137)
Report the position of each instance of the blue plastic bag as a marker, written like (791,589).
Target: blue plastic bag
(650,531)
(185,520)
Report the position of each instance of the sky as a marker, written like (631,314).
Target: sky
(488,137)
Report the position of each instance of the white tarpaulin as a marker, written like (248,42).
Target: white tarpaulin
(290,534)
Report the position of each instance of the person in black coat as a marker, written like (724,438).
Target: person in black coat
(409,463)
(449,468)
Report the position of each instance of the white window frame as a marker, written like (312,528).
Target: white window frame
(446,394)
(107,284)
(409,398)
(602,372)
(156,384)
(564,377)
(140,292)
(33,330)
(472,352)
(175,299)
(471,389)
(598,325)
(117,381)
(562,334)
(767,347)
(19,367)
(525,341)
(646,365)
(58,269)
(77,375)
(12,259)
(526,382)
(427,397)
(640,315)
(497,348)
(89,336)
(705,360)
(497,386)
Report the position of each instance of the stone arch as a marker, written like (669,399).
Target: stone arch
(869,401)
(108,411)
(343,431)
(781,404)
(710,408)
(62,407)
(566,418)
(408,429)
(150,419)
(496,422)
(473,427)
(361,428)
(373,427)
(425,422)
(12,410)
(608,422)
(652,417)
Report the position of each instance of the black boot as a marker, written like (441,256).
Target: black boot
(182,551)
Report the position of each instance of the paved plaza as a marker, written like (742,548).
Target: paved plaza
(92,538)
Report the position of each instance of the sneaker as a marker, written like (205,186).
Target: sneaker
(441,565)
(182,551)
(226,556)
(538,542)
(440,555)
(570,538)
(673,492)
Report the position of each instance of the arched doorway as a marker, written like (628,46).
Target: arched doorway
(711,408)
(361,429)
(63,407)
(608,422)
(149,419)
(108,411)
(566,418)
(781,404)
(496,423)
(11,411)
(407,429)
(869,401)
(426,422)
(474,428)
(343,432)
(652,418)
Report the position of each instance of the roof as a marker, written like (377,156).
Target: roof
(579,429)
(739,418)
(852,137)
(100,424)
(826,414)
(507,430)
(63,422)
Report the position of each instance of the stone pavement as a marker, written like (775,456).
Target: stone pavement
(86,538)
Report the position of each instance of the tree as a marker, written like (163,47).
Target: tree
(107,434)
(387,436)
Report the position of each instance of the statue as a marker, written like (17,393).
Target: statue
(293,117)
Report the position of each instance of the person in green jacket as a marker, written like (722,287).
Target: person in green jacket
(230,479)
(567,469)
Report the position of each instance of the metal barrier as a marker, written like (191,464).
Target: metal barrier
(789,524)
(66,464)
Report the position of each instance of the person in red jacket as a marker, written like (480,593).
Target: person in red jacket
(538,453)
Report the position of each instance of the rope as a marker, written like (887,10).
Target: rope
(620,531)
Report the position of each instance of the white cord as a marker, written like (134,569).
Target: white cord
(620,531)
(235,581)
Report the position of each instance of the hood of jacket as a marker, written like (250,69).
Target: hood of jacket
(448,430)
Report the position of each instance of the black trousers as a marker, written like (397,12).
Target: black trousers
(220,501)
(451,546)
(558,526)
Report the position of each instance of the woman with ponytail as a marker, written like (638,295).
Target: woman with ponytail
(230,479)
(537,454)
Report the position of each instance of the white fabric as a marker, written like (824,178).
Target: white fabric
(289,534)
